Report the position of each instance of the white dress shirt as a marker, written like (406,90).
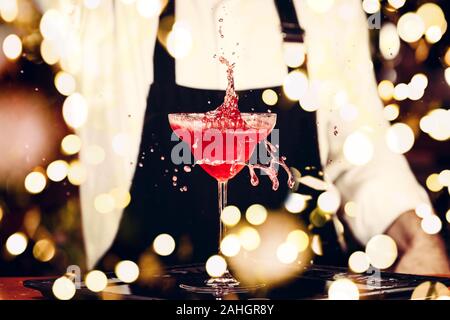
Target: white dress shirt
(112,60)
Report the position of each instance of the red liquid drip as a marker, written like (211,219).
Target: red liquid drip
(238,141)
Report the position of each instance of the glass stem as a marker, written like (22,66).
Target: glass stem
(222,196)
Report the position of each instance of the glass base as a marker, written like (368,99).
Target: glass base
(221,286)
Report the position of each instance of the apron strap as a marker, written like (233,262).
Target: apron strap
(290,27)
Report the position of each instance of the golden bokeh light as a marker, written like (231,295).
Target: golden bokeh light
(122,197)
(410,27)
(96,281)
(44,250)
(9,10)
(75,110)
(12,47)
(71,144)
(77,173)
(65,83)
(16,243)
(400,138)
(63,288)
(256,214)
(382,251)
(57,170)
(127,271)
(447,216)
(270,97)
(329,201)
(396,4)
(359,262)
(295,85)
(444,177)
(52,24)
(230,245)
(249,238)
(437,124)
(391,111)
(104,203)
(351,209)
(1,213)
(430,291)
(432,16)
(433,183)
(299,239)
(386,90)
(343,289)
(431,224)
(216,266)
(296,202)
(447,75)
(316,245)
(164,244)
(35,182)
(287,253)
(447,58)
(50,54)
(231,215)
(358,148)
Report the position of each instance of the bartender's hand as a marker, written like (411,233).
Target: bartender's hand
(419,253)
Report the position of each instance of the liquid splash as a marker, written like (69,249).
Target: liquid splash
(228,116)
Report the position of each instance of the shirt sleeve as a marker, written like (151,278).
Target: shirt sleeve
(351,125)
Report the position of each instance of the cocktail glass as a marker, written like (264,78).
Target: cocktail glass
(222,151)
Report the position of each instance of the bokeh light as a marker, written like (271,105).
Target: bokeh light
(299,239)
(77,173)
(295,85)
(12,46)
(94,154)
(358,148)
(423,209)
(382,251)
(9,10)
(164,244)
(343,289)
(249,238)
(75,110)
(386,90)
(329,201)
(400,138)
(430,291)
(44,250)
(410,27)
(350,209)
(149,8)
(270,97)
(294,54)
(287,253)
(35,182)
(396,4)
(96,281)
(104,203)
(216,266)
(231,215)
(179,41)
(431,224)
(16,243)
(295,202)
(57,170)
(127,271)
(359,262)
(63,288)
(71,144)
(433,183)
(65,83)
(230,245)
(256,214)
(391,111)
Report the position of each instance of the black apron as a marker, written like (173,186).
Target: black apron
(191,217)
